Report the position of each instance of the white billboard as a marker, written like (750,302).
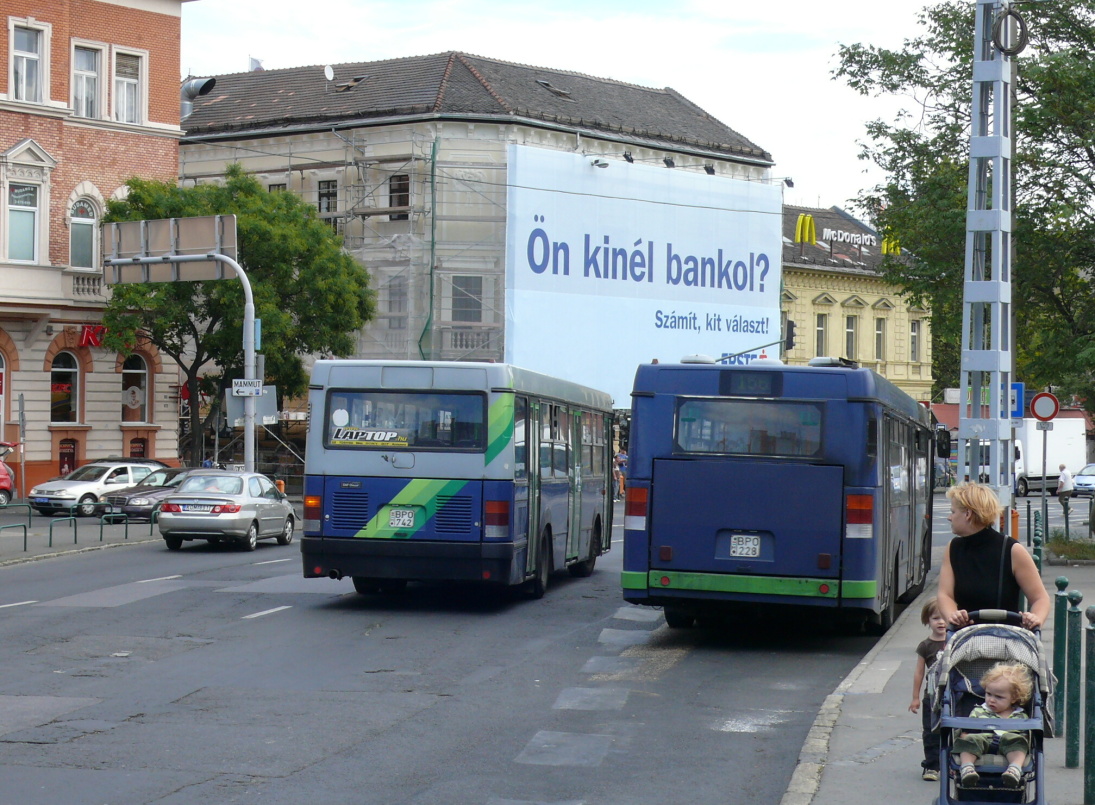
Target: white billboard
(610,267)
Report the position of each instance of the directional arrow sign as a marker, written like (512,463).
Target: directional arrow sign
(247,388)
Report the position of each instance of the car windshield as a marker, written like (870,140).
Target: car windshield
(1088,470)
(88,473)
(162,478)
(212,484)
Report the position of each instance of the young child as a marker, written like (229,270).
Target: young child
(926,654)
(1007,687)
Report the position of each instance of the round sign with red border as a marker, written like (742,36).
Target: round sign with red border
(1044,406)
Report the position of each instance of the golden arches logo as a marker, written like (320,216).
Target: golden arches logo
(891,245)
(805,229)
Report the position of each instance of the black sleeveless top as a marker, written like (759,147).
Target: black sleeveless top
(975,561)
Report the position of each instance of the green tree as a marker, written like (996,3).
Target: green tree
(922,202)
(312,298)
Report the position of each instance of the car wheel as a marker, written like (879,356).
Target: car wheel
(5,497)
(286,535)
(251,541)
(86,506)
(173,543)
(1023,487)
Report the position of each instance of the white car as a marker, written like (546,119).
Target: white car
(78,492)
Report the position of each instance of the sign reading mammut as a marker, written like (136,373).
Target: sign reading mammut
(609,267)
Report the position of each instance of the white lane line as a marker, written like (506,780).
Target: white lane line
(161,578)
(17,604)
(272,561)
(264,612)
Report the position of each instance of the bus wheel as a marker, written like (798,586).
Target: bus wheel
(539,584)
(583,569)
(678,618)
(365,585)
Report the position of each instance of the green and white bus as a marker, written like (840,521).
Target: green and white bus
(481,472)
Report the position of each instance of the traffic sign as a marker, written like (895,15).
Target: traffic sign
(247,388)
(1044,406)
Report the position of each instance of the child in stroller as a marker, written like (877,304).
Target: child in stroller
(995,638)
(1007,688)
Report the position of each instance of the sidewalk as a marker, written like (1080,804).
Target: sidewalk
(81,534)
(865,745)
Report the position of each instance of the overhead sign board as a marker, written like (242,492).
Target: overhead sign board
(126,240)
(1044,406)
(247,388)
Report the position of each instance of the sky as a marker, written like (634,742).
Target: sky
(762,68)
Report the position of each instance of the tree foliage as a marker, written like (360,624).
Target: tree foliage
(923,200)
(312,298)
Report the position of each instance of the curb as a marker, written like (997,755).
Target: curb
(806,778)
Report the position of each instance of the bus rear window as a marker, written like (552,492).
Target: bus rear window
(408,420)
(749,427)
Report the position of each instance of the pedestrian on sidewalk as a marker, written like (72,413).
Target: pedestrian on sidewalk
(1065,487)
(982,569)
(926,655)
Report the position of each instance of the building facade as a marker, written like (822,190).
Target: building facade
(407,160)
(89,97)
(841,307)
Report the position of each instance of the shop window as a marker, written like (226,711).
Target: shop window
(64,388)
(134,389)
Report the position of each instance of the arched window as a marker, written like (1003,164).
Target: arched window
(64,397)
(82,232)
(134,389)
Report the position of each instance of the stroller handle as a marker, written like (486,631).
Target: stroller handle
(996,616)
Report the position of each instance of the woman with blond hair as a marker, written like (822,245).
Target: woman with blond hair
(982,569)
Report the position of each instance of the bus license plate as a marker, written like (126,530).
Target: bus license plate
(744,545)
(401,518)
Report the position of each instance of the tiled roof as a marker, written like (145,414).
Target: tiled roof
(841,252)
(459,84)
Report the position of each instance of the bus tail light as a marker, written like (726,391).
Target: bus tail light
(496,519)
(635,500)
(859,517)
(313,512)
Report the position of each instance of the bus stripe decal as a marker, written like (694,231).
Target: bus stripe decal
(759,585)
(499,426)
(420,493)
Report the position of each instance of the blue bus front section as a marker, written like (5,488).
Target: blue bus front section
(416,529)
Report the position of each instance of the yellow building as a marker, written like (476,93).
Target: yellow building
(840,305)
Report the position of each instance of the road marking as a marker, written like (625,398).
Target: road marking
(565,749)
(591,699)
(161,578)
(18,604)
(272,561)
(264,612)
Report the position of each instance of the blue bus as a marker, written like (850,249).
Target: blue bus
(445,471)
(804,486)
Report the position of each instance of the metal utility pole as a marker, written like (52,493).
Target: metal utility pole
(987,339)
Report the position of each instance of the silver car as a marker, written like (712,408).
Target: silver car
(1083,483)
(226,506)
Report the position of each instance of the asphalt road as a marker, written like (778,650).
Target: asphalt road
(135,675)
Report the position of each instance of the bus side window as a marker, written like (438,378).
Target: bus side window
(559,463)
(545,460)
(520,444)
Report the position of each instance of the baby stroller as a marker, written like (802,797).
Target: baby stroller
(995,636)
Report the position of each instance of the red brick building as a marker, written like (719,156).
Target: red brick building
(89,96)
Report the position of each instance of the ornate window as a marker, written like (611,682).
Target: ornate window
(23,207)
(83,229)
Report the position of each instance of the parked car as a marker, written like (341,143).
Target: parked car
(7,477)
(1083,483)
(226,506)
(79,491)
(142,500)
(152,462)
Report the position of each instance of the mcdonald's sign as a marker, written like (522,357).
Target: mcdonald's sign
(805,229)
(891,245)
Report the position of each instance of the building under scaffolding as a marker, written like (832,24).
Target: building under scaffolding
(407,160)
